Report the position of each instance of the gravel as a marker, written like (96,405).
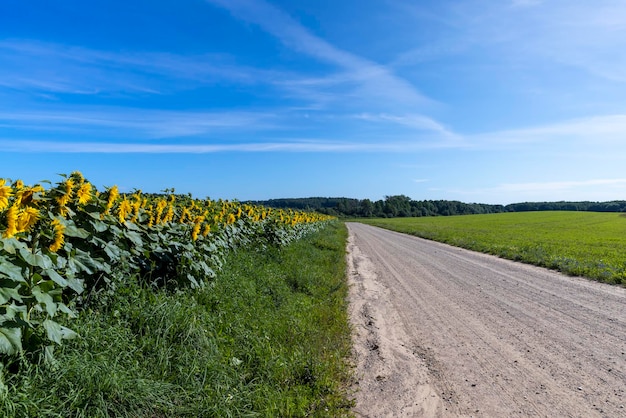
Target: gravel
(443,332)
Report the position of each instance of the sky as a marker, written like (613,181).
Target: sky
(487,101)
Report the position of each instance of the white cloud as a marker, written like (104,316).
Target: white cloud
(417,122)
(586,35)
(520,38)
(373,81)
(152,124)
(306,145)
(138,148)
(592,131)
(50,67)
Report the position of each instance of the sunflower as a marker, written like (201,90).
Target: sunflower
(68,193)
(161,205)
(113,195)
(169,216)
(78,175)
(84,193)
(5,193)
(27,218)
(184,216)
(59,239)
(151,218)
(27,196)
(11,222)
(124,210)
(196,230)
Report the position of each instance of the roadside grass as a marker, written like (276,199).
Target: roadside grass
(588,244)
(269,337)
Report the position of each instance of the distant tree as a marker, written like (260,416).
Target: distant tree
(401,206)
(366,208)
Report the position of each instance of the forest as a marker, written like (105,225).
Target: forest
(404,206)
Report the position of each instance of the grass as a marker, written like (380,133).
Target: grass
(269,337)
(585,244)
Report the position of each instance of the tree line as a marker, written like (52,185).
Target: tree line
(404,206)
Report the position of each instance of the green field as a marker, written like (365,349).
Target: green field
(577,243)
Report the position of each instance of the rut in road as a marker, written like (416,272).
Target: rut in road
(442,331)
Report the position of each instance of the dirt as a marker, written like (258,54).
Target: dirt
(444,332)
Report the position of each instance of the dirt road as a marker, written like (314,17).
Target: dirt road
(446,332)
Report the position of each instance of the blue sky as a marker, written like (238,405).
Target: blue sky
(496,101)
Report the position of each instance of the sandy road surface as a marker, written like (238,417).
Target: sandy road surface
(441,331)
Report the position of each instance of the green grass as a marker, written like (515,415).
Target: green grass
(269,337)
(577,243)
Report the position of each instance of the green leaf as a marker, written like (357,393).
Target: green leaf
(99,226)
(112,251)
(135,238)
(10,340)
(132,226)
(95,264)
(10,245)
(49,358)
(75,284)
(193,281)
(45,299)
(94,215)
(74,231)
(7,293)
(35,260)
(58,261)
(47,286)
(77,266)
(13,310)
(55,277)
(57,332)
(11,271)
(66,310)
(206,269)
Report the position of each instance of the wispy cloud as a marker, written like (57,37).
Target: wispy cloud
(306,145)
(371,80)
(527,36)
(587,36)
(417,122)
(577,34)
(149,124)
(592,131)
(57,68)
(142,148)
(47,69)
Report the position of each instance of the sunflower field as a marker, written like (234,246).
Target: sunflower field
(67,244)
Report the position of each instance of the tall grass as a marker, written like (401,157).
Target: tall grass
(269,337)
(577,243)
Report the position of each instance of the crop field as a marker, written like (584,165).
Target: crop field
(65,243)
(136,304)
(585,244)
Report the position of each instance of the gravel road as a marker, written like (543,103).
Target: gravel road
(445,332)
